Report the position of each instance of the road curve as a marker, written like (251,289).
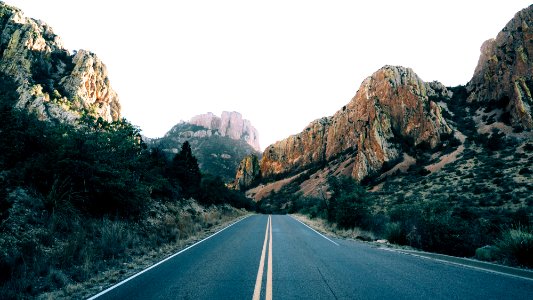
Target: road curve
(302,264)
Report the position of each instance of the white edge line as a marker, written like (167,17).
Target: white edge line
(164,260)
(315,231)
(457,264)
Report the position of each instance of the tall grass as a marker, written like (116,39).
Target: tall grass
(53,256)
(516,245)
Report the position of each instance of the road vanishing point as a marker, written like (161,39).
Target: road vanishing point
(278,257)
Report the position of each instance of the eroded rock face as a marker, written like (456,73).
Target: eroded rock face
(297,151)
(230,124)
(247,172)
(52,83)
(89,81)
(504,71)
(391,106)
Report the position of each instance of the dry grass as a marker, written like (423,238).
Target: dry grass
(184,224)
(65,258)
(327,228)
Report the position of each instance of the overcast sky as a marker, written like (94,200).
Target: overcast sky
(281,64)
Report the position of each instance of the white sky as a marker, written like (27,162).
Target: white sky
(281,63)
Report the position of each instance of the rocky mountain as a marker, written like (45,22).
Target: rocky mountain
(503,75)
(219,143)
(393,106)
(397,122)
(247,173)
(52,82)
(230,124)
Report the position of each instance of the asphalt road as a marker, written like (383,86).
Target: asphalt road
(287,260)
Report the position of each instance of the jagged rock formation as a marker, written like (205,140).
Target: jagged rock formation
(217,154)
(392,106)
(395,114)
(230,124)
(247,172)
(53,83)
(504,71)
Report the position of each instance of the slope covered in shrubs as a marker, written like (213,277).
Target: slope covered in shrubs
(76,201)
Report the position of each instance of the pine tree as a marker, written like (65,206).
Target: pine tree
(186,171)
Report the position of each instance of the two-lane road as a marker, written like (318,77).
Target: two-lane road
(281,258)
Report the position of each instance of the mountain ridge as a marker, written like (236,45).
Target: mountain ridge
(394,113)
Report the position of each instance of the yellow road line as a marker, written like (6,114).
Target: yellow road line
(259,279)
(269,270)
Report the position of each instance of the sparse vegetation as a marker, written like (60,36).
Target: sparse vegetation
(458,210)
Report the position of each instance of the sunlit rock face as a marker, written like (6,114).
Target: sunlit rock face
(391,107)
(53,83)
(230,124)
(504,71)
(247,172)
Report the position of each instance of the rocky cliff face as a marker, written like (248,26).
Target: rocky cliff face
(53,83)
(247,172)
(230,124)
(393,106)
(394,111)
(504,71)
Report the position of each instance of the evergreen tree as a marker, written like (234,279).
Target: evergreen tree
(186,172)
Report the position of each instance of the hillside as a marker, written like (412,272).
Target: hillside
(218,143)
(396,118)
(83,200)
(444,169)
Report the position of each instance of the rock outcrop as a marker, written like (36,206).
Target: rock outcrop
(247,172)
(229,124)
(393,106)
(52,83)
(504,71)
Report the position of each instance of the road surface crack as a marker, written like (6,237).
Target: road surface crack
(326,282)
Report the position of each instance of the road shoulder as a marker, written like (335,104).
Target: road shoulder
(460,261)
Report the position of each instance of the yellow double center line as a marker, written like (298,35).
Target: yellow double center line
(259,279)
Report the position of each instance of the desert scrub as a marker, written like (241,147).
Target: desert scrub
(488,253)
(516,246)
(395,234)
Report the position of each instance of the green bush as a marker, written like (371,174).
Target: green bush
(517,246)
(213,191)
(488,253)
(395,234)
(349,204)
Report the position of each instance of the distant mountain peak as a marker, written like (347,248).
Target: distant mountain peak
(230,124)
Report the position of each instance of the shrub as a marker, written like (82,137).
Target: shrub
(524,171)
(114,238)
(517,245)
(57,279)
(488,253)
(395,234)
(352,210)
(349,204)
